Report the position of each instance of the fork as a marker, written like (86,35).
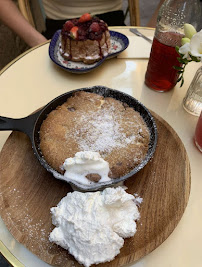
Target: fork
(135,31)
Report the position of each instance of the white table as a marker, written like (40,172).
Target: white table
(32,80)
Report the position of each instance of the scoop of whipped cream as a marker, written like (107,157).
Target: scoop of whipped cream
(86,163)
(92,225)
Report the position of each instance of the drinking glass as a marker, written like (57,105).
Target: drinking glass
(192,102)
(198,133)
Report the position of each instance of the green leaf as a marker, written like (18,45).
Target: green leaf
(177,68)
(194,58)
(179,79)
(177,48)
(182,82)
(186,61)
(181,60)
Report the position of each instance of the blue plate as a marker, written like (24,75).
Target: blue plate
(119,42)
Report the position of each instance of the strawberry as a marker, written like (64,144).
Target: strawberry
(74,32)
(68,25)
(85,17)
(94,27)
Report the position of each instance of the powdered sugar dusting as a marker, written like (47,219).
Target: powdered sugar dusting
(28,227)
(33,230)
(91,122)
(102,131)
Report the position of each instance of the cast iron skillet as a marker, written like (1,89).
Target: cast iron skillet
(31,126)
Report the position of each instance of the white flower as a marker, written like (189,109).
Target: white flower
(193,48)
(185,50)
(196,45)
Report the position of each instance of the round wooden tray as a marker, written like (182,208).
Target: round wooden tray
(28,192)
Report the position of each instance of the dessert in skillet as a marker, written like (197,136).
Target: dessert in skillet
(93,137)
(86,39)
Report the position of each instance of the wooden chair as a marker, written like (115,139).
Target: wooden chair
(134,11)
(33,12)
(30,11)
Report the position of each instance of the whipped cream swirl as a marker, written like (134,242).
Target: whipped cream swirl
(92,226)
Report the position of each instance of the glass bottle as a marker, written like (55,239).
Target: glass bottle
(192,102)
(173,14)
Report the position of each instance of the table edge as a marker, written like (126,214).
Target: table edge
(9,256)
(20,56)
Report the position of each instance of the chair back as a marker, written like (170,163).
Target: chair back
(134,11)
(33,11)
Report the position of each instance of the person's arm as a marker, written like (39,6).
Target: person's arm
(11,17)
(152,22)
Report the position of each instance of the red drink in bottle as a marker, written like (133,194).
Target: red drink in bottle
(198,133)
(172,15)
(160,75)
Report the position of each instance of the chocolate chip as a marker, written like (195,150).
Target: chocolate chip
(112,174)
(71,109)
(94,177)
(125,105)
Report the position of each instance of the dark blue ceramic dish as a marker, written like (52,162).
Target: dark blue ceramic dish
(119,42)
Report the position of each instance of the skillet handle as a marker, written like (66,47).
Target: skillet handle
(25,125)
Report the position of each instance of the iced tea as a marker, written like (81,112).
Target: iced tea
(160,74)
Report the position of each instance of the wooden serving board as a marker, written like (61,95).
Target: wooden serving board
(28,191)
